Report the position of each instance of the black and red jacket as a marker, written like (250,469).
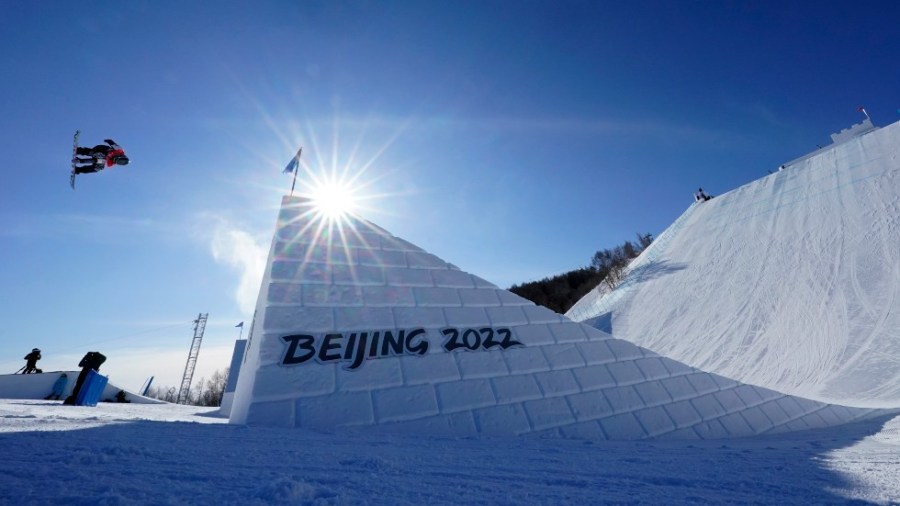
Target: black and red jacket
(114,152)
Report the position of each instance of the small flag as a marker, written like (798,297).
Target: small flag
(241,325)
(293,164)
(862,110)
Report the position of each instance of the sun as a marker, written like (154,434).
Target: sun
(334,199)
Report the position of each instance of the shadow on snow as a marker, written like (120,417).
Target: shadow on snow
(166,462)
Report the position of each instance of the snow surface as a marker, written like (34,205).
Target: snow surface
(791,282)
(171,454)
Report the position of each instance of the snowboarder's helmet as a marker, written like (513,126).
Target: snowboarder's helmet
(122,160)
(37,350)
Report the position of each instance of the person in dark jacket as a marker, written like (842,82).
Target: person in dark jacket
(701,196)
(31,361)
(91,361)
(99,157)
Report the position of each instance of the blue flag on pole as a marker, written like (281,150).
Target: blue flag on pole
(293,164)
(241,325)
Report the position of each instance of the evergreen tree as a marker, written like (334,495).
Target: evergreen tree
(608,266)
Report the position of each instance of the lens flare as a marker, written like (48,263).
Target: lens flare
(334,200)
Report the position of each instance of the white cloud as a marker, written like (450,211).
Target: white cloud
(239,250)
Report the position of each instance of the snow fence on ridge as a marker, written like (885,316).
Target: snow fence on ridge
(357,328)
(791,282)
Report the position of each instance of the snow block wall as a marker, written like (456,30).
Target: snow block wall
(791,282)
(358,328)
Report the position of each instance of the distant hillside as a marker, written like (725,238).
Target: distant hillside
(560,292)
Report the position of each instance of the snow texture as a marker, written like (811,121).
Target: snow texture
(517,369)
(173,454)
(791,282)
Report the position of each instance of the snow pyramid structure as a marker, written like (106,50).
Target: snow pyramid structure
(791,282)
(357,328)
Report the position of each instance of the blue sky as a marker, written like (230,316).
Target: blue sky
(512,138)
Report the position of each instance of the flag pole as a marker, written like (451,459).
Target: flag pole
(296,170)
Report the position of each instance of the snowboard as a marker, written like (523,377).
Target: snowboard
(74,151)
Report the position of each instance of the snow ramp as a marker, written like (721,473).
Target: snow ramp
(355,327)
(39,386)
(791,282)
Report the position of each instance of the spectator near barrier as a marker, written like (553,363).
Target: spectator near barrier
(91,361)
(31,362)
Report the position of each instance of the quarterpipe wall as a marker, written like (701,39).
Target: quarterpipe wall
(791,282)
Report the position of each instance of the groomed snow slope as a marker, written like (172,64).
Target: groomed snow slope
(790,282)
(357,328)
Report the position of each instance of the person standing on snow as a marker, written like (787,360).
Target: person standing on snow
(99,157)
(92,360)
(31,361)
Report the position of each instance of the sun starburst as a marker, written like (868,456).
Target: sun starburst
(334,199)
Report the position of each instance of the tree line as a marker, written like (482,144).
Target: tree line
(562,291)
(203,393)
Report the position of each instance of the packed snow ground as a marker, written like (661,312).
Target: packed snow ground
(170,454)
(791,282)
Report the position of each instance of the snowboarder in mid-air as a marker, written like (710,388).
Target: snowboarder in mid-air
(99,157)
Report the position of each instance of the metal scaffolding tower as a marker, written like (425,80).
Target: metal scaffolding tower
(185,391)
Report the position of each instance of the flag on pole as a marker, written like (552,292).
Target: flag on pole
(294,164)
(241,325)
(863,110)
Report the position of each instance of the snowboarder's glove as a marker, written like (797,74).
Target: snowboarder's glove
(109,141)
